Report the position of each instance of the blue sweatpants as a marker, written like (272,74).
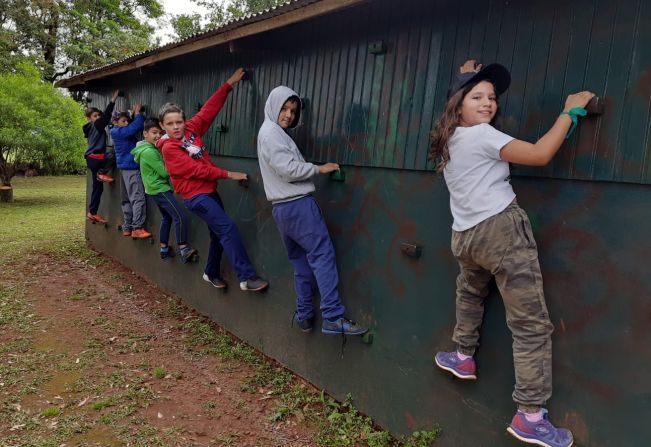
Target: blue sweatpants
(224,237)
(312,255)
(171,211)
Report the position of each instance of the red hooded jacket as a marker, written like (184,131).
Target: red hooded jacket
(191,177)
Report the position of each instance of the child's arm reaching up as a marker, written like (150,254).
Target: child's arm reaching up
(105,119)
(135,126)
(201,122)
(542,152)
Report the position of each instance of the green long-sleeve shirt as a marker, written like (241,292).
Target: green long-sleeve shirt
(152,168)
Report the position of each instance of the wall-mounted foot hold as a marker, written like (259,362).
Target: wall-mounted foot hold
(411,249)
(368,337)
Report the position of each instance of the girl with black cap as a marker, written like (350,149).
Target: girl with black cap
(492,237)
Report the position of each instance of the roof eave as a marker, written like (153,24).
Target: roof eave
(228,33)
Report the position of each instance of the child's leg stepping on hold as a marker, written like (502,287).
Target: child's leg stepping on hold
(541,432)
(166,253)
(465,369)
(188,254)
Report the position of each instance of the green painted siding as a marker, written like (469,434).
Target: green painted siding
(373,113)
(372,110)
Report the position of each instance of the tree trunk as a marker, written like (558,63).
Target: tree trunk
(6,193)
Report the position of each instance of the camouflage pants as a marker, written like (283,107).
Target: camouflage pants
(503,246)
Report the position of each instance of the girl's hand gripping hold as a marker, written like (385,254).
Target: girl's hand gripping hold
(580,99)
(542,152)
(470,66)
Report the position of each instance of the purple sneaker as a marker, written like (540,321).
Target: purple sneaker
(539,433)
(463,369)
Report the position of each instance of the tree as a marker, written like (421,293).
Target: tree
(38,125)
(185,25)
(219,13)
(71,36)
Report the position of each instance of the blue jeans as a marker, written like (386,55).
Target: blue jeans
(224,237)
(171,211)
(312,255)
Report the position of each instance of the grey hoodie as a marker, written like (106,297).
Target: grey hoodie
(285,173)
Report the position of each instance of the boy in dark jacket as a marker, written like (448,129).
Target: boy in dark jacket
(134,205)
(194,176)
(99,161)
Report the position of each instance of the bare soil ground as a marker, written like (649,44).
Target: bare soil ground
(124,368)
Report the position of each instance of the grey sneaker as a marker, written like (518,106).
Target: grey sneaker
(344,326)
(254,284)
(188,254)
(216,282)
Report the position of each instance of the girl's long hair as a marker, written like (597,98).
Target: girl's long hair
(446,125)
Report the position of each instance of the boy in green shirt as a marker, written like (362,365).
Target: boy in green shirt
(158,187)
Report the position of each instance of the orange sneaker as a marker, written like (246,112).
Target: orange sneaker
(105,178)
(126,233)
(96,218)
(140,233)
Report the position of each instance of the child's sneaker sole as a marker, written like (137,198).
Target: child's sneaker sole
(515,434)
(455,373)
(245,287)
(215,282)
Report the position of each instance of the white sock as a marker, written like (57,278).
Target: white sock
(463,356)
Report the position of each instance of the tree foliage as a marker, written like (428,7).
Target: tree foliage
(71,36)
(219,13)
(185,25)
(38,125)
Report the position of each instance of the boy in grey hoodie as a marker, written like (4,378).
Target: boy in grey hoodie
(286,176)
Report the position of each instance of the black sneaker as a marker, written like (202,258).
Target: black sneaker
(216,282)
(188,254)
(166,254)
(254,284)
(344,326)
(305,325)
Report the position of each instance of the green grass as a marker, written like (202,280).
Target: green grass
(45,211)
(51,411)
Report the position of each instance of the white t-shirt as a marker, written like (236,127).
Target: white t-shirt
(478,180)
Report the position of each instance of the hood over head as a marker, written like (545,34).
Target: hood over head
(275,101)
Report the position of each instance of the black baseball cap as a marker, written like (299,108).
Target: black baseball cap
(496,73)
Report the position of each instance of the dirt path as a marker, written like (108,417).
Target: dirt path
(126,365)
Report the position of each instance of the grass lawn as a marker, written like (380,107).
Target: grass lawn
(46,211)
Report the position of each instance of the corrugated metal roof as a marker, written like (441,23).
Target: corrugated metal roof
(288,6)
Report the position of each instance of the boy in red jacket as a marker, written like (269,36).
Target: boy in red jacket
(194,176)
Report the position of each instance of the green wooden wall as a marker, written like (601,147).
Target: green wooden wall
(590,209)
